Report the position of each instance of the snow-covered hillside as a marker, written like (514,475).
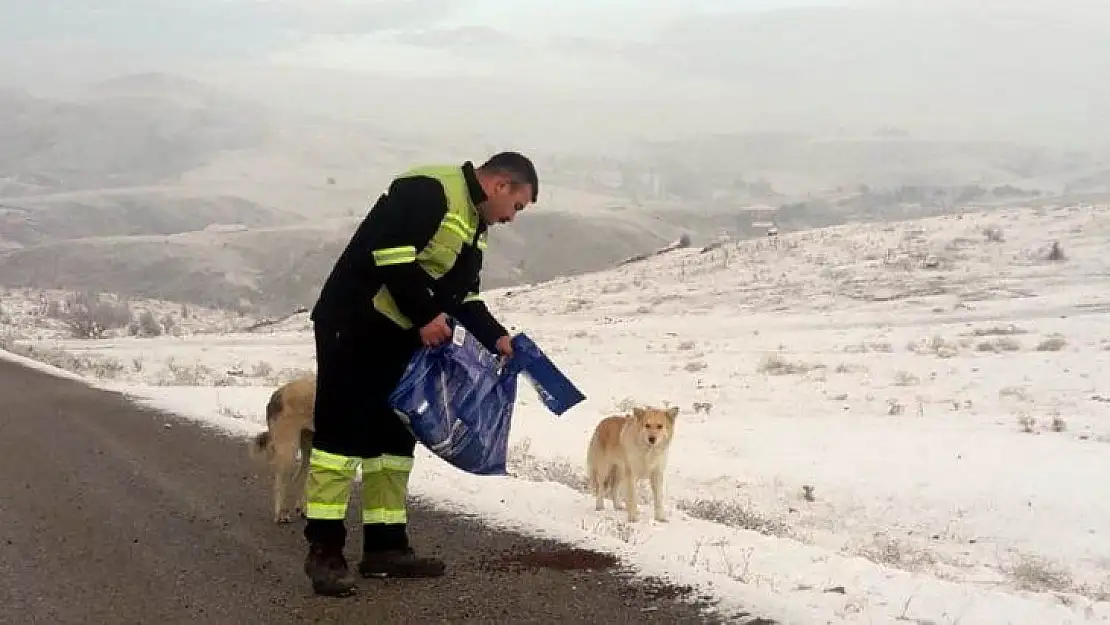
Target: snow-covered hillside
(895,422)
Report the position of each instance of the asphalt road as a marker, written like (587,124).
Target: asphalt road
(112,513)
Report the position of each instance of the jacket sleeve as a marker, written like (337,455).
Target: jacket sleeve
(408,219)
(476,317)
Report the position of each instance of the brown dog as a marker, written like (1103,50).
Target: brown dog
(289,429)
(626,449)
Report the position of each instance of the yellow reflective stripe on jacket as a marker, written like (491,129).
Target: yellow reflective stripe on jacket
(456,224)
(384,304)
(395,255)
(472,297)
(458,228)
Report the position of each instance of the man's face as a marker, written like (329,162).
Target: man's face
(505,201)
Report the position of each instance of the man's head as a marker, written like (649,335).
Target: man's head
(510,182)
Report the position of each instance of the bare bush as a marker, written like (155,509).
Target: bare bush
(262,369)
(776,364)
(1027,423)
(522,463)
(145,325)
(890,552)
(1006,330)
(846,367)
(1037,575)
(999,344)
(1058,422)
(936,345)
(905,378)
(1013,392)
(1055,253)
(575,304)
(625,405)
(169,324)
(865,347)
(1053,343)
(994,234)
(108,369)
(197,374)
(89,317)
(733,514)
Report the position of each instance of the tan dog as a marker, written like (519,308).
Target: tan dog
(626,449)
(289,428)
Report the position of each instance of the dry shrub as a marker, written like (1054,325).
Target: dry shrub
(999,345)
(1052,343)
(776,364)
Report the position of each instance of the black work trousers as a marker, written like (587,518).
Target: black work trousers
(356,427)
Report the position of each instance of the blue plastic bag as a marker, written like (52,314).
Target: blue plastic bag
(556,391)
(458,404)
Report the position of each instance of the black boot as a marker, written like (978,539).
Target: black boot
(399,563)
(327,568)
(386,553)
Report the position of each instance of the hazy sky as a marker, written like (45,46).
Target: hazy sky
(988,67)
(105,35)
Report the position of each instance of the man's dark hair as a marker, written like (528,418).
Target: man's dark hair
(517,167)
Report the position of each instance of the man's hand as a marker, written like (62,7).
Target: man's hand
(436,332)
(505,348)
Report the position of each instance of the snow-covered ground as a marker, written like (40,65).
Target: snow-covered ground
(905,420)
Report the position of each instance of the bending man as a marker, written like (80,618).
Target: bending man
(415,259)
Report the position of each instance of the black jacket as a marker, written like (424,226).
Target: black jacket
(408,214)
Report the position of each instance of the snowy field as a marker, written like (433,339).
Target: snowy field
(895,423)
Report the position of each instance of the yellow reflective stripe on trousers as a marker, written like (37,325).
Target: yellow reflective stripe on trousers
(325,511)
(326,460)
(387,462)
(384,515)
(394,255)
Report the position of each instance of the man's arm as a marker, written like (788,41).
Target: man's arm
(403,225)
(476,317)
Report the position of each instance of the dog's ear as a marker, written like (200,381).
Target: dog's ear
(672,413)
(638,413)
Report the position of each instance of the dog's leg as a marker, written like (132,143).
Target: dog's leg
(284,459)
(281,515)
(629,479)
(614,487)
(657,494)
(598,486)
(302,471)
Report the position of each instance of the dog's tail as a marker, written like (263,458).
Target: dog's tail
(259,445)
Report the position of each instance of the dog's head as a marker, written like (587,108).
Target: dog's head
(654,426)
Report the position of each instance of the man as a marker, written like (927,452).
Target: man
(413,261)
